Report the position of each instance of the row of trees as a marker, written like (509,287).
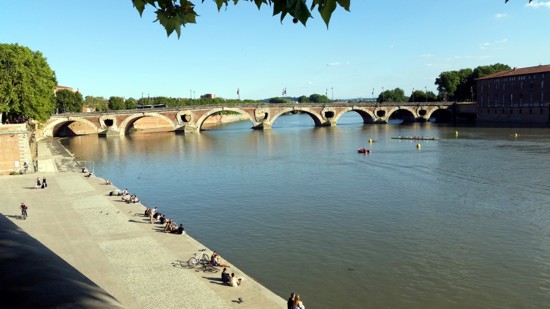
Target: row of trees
(460,85)
(398,95)
(314,98)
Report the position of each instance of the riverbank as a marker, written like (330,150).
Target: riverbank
(113,245)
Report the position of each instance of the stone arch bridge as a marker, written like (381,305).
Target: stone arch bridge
(190,119)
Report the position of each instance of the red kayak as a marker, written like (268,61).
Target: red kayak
(363,150)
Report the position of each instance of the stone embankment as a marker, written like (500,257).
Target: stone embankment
(81,247)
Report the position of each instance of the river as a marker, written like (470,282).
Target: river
(461,222)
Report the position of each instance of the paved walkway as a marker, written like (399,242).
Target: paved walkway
(114,245)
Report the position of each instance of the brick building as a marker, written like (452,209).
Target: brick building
(517,95)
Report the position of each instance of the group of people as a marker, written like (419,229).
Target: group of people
(231,279)
(42,184)
(295,302)
(130,198)
(169,225)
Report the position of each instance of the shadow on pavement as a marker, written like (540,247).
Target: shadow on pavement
(32,276)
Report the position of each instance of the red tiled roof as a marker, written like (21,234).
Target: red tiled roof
(519,71)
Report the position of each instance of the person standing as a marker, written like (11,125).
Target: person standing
(24,211)
(290,303)
(44,184)
(37,182)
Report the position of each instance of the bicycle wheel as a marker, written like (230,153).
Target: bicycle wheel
(205,258)
(192,262)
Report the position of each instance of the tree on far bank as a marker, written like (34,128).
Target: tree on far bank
(116,103)
(460,85)
(455,85)
(27,85)
(172,14)
(395,95)
(99,104)
(484,70)
(130,103)
(303,99)
(278,100)
(68,101)
(423,96)
(318,98)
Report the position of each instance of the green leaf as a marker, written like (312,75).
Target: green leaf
(140,6)
(169,23)
(327,9)
(344,3)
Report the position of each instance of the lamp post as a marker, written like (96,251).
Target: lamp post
(332,89)
(426,88)
(413,95)
(382,94)
(373,93)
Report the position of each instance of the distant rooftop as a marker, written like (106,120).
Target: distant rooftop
(519,71)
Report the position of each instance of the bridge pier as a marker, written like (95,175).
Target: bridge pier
(110,132)
(262,126)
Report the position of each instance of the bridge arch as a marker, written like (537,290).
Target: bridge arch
(440,114)
(211,112)
(53,127)
(317,119)
(130,120)
(406,113)
(367,115)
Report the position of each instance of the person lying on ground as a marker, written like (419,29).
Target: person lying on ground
(90,174)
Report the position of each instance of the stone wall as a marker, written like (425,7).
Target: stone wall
(14,150)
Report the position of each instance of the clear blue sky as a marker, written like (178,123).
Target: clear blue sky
(105,48)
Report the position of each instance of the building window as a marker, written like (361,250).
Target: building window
(511,111)
(530,111)
(520,110)
(542,111)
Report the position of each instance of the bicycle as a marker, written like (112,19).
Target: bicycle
(199,258)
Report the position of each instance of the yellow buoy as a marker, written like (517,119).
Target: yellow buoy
(456,133)
(516,135)
(370,140)
(418,146)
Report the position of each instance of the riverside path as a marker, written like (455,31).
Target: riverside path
(81,247)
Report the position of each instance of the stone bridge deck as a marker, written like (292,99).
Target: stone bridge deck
(190,119)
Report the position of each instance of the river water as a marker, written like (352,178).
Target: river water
(462,222)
